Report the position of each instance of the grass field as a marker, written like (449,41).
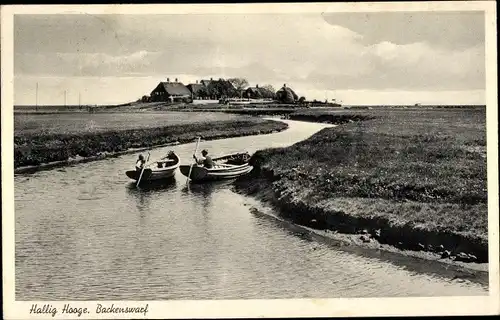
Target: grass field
(40,139)
(409,169)
(64,123)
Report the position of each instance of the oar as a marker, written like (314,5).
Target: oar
(191,168)
(142,171)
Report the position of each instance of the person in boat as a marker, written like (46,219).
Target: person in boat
(140,163)
(167,160)
(205,160)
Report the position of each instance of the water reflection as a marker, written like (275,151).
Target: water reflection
(203,193)
(412,264)
(158,185)
(205,189)
(145,193)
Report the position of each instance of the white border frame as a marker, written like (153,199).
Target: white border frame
(257,308)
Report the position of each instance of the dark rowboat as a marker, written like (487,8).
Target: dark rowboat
(158,170)
(227,167)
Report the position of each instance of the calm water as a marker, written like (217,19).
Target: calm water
(86,233)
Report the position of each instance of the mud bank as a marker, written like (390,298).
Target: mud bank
(434,264)
(374,233)
(33,153)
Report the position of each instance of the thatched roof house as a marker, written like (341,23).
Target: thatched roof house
(286,95)
(170,91)
(258,93)
(195,89)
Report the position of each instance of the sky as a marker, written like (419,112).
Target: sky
(356,58)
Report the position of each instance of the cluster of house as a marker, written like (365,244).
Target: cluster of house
(175,91)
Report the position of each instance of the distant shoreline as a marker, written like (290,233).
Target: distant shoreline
(83,108)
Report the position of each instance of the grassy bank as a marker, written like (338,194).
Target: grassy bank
(413,179)
(64,123)
(334,117)
(247,110)
(32,148)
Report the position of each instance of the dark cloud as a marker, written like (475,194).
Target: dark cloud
(111,34)
(65,33)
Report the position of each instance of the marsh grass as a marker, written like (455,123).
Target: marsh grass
(34,148)
(81,123)
(423,168)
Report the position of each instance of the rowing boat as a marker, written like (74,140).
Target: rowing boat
(227,167)
(163,169)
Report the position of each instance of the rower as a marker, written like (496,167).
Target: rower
(167,160)
(205,160)
(140,163)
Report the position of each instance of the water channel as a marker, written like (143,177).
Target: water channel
(85,232)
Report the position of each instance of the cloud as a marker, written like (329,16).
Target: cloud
(447,29)
(82,64)
(105,64)
(410,51)
(414,66)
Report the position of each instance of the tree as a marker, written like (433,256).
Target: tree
(239,84)
(269,91)
(270,88)
(221,89)
(203,93)
(302,99)
(213,90)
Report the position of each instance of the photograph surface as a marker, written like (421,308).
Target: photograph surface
(204,154)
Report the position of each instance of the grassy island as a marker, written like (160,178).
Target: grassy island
(415,179)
